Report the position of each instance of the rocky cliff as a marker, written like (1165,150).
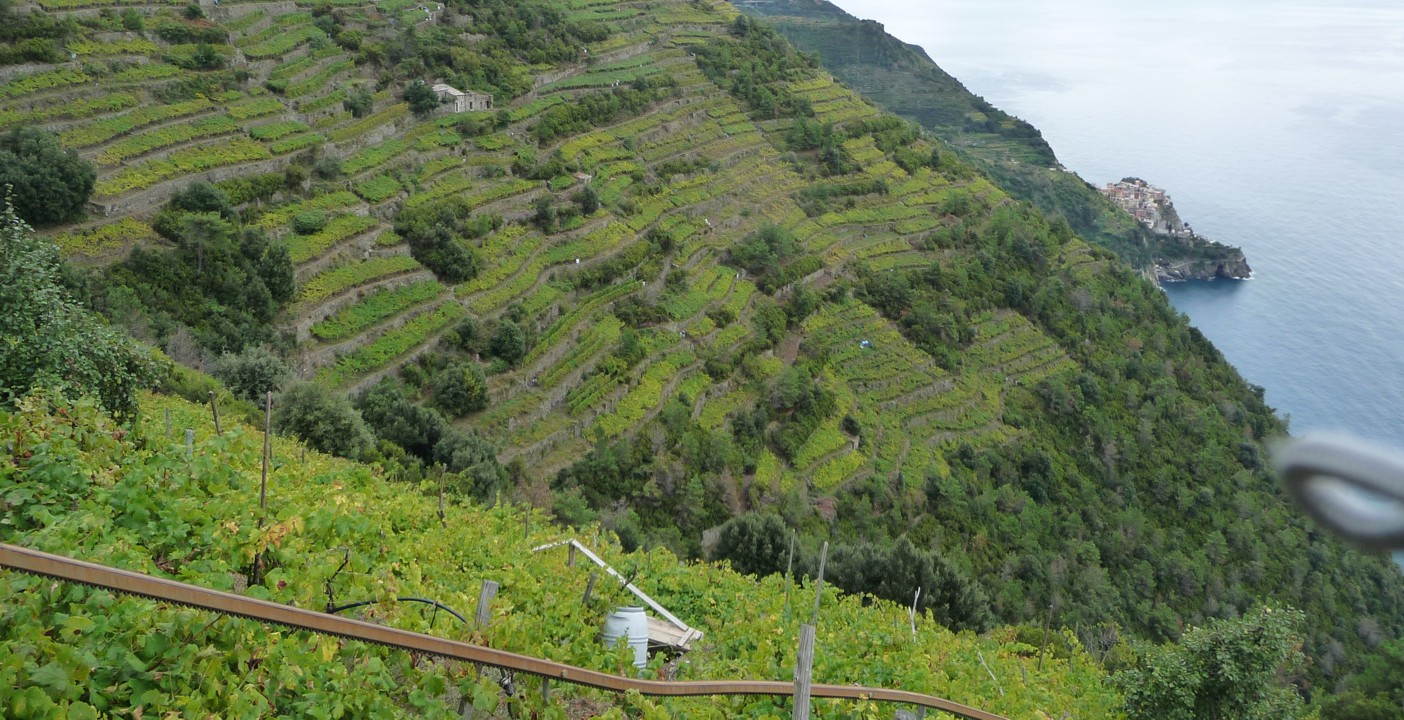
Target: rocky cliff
(1227,263)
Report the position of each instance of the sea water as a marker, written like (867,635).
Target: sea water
(1276,125)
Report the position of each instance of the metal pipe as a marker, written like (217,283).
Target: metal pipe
(171,591)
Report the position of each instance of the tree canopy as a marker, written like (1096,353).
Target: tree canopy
(48,340)
(49,183)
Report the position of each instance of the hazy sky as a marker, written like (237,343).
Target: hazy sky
(972,38)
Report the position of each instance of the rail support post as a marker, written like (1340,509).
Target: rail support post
(804,661)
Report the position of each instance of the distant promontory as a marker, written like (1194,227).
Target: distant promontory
(902,78)
(1191,256)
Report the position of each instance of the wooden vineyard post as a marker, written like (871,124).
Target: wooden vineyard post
(485,596)
(804,664)
(804,661)
(570,555)
(481,617)
(214,410)
(589,589)
(267,452)
(911,614)
(263,482)
(789,567)
(189,443)
(1047,619)
(819,591)
(441,500)
(168,422)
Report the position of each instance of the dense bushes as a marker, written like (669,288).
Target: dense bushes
(601,108)
(431,440)
(1226,669)
(759,544)
(438,237)
(252,373)
(48,183)
(754,544)
(222,282)
(323,419)
(754,64)
(796,403)
(895,571)
(762,252)
(514,36)
(49,341)
(460,388)
(421,98)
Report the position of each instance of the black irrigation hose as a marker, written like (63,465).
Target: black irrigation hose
(426,601)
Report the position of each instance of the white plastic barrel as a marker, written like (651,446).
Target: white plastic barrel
(631,623)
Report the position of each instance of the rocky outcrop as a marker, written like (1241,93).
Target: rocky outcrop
(1179,253)
(1226,263)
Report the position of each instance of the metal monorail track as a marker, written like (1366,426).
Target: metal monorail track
(131,583)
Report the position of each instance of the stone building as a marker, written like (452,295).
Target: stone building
(461,101)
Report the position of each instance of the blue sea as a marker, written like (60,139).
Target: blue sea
(1276,125)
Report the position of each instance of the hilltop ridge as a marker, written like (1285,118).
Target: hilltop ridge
(902,78)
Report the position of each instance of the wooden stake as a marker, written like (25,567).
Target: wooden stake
(485,596)
(189,443)
(1046,620)
(168,422)
(441,500)
(267,452)
(804,660)
(819,591)
(911,615)
(804,664)
(589,588)
(214,410)
(789,567)
(570,555)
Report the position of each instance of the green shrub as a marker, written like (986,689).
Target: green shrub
(252,372)
(49,183)
(460,388)
(309,222)
(755,544)
(50,341)
(323,419)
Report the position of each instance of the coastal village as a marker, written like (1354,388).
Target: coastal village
(1152,207)
(1149,204)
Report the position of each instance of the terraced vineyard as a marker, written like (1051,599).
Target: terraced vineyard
(203,530)
(146,148)
(699,277)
